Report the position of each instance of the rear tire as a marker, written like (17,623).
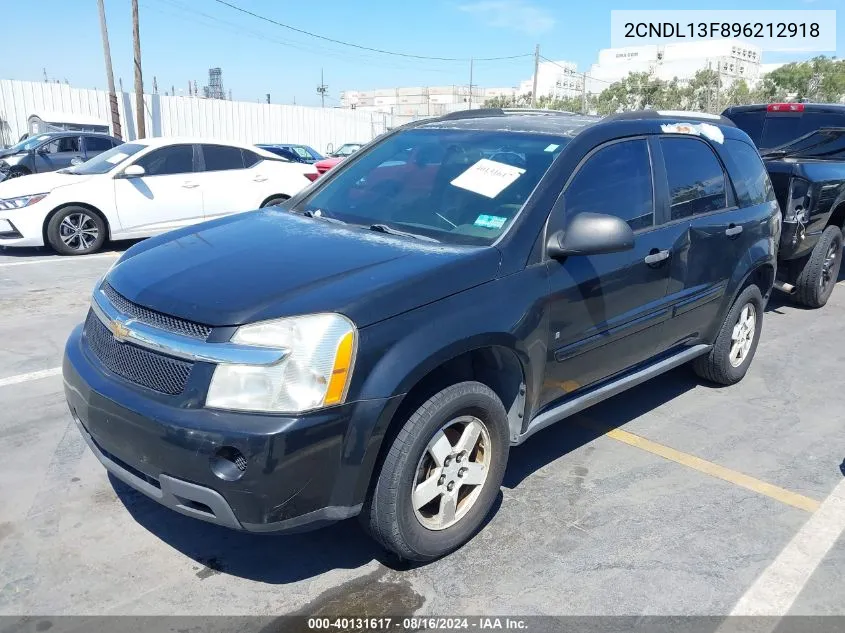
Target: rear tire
(426,501)
(76,231)
(817,279)
(275,201)
(730,357)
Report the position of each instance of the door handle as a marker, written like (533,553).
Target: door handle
(259,179)
(655,257)
(189,185)
(733,230)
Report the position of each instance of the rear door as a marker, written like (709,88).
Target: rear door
(166,197)
(719,233)
(226,183)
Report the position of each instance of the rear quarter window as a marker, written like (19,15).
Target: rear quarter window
(749,176)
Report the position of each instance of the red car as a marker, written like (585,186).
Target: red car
(347,149)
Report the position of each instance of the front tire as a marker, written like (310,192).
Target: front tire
(275,201)
(730,357)
(76,231)
(441,475)
(818,277)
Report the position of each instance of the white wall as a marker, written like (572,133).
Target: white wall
(190,116)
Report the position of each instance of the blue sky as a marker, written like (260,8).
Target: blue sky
(181,39)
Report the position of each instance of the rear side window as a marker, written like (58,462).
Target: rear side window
(222,157)
(696,179)
(751,181)
(616,180)
(97,144)
(250,158)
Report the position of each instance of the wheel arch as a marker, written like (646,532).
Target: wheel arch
(837,218)
(283,196)
(65,205)
(494,364)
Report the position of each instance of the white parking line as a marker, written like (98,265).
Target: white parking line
(778,586)
(33,375)
(29,262)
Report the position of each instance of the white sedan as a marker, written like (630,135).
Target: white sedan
(143,188)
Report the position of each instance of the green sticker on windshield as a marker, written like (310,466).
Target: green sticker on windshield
(490,221)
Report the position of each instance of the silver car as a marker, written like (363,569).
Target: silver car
(51,151)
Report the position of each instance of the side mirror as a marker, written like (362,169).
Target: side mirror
(133,171)
(76,160)
(591,234)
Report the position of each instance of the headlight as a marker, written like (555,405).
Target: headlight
(314,373)
(23,201)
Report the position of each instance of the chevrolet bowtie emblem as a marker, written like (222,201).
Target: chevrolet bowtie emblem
(118,330)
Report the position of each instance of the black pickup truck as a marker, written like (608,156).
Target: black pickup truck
(803,148)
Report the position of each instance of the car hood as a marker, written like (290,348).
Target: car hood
(272,263)
(38,183)
(5,153)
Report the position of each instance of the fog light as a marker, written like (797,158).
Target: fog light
(228,463)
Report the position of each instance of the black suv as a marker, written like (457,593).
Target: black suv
(378,344)
(803,147)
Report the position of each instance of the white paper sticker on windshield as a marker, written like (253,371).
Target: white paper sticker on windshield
(114,160)
(488,177)
(551,148)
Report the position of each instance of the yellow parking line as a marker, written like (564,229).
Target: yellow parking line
(709,468)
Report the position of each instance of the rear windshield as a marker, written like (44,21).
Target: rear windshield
(772,129)
(458,186)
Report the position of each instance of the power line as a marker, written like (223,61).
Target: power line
(575,72)
(359,46)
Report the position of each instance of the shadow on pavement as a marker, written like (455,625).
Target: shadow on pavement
(570,434)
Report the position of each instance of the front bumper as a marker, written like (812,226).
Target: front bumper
(28,224)
(300,472)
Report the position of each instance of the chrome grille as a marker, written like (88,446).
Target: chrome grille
(155,319)
(149,369)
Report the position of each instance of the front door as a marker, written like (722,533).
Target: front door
(57,154)
(165,198)
(606,312)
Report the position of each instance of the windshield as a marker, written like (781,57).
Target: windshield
(347,150)
(458,186)
(30,143)
(108,160)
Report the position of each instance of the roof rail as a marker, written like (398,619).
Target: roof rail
(471,114)
(670,114)
(537,111)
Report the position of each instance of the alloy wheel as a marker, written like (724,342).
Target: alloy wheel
(78,231)
(742,336)
(451,472)
(829,268)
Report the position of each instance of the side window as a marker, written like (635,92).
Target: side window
(250,158)
(751,180)
(615,180)
(176,159)
(97,144)
(222,157)
(696,179)
(64,144)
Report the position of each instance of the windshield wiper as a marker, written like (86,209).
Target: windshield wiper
(310,214)
(383,228)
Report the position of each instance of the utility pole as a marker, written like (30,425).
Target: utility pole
(321,90)
(536,71)
(115,115)
(470,83)
(139,80)
(584,94)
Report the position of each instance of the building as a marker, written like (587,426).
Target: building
(556,80)
(408,104)
(733,59)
